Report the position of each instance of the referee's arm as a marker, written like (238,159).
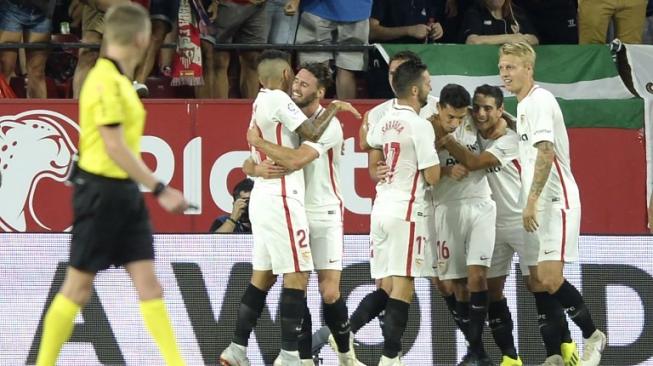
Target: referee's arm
(171,199)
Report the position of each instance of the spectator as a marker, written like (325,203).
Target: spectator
(648,31)
(32,20)
(238,21)
(594,16)
(398,22)
(555,21)
(283,16)
(92,12)
(238,220)
(405,22)
(164,14)
(496,22)
(453,15)
(343,22)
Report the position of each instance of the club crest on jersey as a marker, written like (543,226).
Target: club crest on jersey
(393,125)
(292,107)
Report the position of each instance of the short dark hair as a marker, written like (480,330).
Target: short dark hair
(274,55)
(406,56)
(406,76)
(322,73)
(455,96)
(490,91)
(245,185)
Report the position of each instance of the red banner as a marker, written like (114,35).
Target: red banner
(199,147)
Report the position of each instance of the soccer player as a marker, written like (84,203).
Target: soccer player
(111,224)
(323,203)
(499,158)
(549,199)
(465,217)
(399,220)
(279,223)
(373,304)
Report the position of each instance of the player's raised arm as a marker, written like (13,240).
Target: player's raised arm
(313,130)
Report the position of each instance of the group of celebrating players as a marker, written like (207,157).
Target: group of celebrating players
(461,187)
(459,191)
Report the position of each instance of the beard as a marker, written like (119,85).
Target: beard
(303,102)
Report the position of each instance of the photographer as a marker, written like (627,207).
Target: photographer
(238,220)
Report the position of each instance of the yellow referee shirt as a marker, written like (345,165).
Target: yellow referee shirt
(108,97)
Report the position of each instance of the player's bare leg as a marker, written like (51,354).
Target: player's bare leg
(550,276)
(251,306)
(396,317)
(500,321)
(153,309)
(59,320)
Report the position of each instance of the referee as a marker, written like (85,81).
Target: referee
(111,224)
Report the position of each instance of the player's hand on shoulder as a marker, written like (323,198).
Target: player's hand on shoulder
(254,136)
(269,170)
(172,200)
(346,107)
(458,172)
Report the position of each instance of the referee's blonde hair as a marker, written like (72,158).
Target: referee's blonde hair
(521,50)
(123,22)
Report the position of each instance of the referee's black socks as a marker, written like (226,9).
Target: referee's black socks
(369,308)
(249,311)
(396,318)
(336,318)
(572,300)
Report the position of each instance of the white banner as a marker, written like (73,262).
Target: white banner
(204,276)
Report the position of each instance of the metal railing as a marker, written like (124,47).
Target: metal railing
(225,47)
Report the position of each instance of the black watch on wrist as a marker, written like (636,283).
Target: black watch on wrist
(158,189)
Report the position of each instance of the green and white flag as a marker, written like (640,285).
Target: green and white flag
(583,78)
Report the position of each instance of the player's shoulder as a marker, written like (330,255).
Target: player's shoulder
(540,94)
(378,111)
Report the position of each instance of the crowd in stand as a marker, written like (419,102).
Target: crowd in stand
(197,26)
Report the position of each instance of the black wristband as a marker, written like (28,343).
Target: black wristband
(233,221)
(158,189)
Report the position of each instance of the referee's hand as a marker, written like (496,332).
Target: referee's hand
(172,200)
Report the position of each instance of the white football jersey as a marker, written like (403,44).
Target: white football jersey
(504,180)
(475,184)
(408,144)
(277,117)
(539,118)
(323,196)
(375,114)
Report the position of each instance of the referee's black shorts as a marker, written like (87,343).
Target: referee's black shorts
(111,225)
